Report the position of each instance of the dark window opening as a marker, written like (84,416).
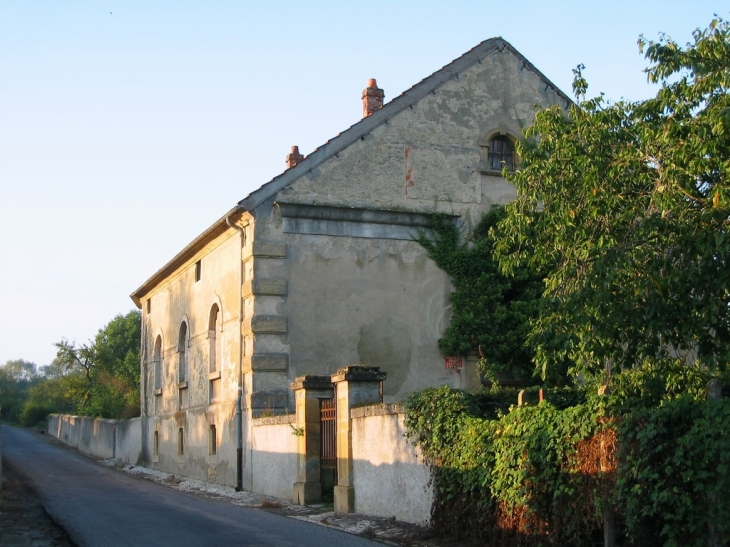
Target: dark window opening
(214,339)
(180,445)
(157,360)
(212,441)
(197,271)
(182,365)
(156,444)
(501,153)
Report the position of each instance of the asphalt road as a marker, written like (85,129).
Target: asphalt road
(100,506)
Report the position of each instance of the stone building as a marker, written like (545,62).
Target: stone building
(317,269)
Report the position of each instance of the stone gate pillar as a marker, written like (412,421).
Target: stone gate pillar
(308,390)
(355,385)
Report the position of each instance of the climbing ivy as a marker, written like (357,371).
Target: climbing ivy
(517,476)
(653,451)
(674,478)
(491,312)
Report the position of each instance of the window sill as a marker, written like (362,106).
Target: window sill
(214,375)
(485,168)
(182,385)
(158,391)
(492,172)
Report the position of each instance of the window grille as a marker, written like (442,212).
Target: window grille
(501,153)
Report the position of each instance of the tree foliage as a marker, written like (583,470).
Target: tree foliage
(99,378)
(626,205)
(16,378)
(102,377)
(490,311)
(541,474)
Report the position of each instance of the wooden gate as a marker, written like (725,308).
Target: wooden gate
(328,443)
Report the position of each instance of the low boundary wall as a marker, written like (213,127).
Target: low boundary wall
(273,456)
(390,477)
(118,439)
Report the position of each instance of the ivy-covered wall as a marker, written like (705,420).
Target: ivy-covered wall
(491,312)
(543,473)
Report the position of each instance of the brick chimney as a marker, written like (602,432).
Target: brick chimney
(372,98)
(293,158)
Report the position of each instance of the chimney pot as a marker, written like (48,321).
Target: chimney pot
(293,158)
(372,98)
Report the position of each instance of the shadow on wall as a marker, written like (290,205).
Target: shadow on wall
(386,343)
(399,489)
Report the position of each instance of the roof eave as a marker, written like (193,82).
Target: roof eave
(218,228)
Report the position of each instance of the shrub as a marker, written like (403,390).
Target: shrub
(33,413)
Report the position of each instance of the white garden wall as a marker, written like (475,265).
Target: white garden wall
(274,456)
(119,439)
(390,476)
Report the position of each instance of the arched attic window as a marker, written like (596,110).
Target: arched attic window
(157,363)
(498,152)
(501,153)
(182,353)
(214,338)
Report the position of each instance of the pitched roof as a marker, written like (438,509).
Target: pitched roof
(390,109)
(339,143)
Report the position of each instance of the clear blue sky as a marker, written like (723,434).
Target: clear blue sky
(128,127)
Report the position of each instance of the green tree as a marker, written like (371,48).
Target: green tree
(490,311)
(101,378)
(626,205)
(16,377)
(118,353)
(78,363)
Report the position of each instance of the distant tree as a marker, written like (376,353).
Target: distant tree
(117,348)
(20,369)
(102,376)
(54,370)
(78,363)
(16,377)
(49,394)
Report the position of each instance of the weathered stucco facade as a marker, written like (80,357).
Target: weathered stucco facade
(317,269)
(187,407)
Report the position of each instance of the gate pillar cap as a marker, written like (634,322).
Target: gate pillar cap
(358,373)
(312,381)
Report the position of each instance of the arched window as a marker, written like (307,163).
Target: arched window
(214,338)
(182,347)
(157,363)
(501,153)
